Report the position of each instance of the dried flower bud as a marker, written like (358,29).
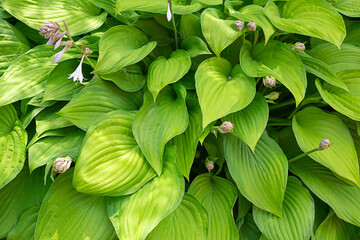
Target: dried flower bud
(61,164)
(299,46)
(273,96)
(324,144)
(269,82)
(239,24)
(209,165)
(226,127)
(49,28)
(251,26)
(197,154)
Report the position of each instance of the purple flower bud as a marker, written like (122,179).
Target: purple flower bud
(239,24)
(324,144)
(273,96)
(58,56)
(209,165)
(299,46)
(49,28)
(226,127)
(251,26)
(269,82)
(88,51)
(62,164)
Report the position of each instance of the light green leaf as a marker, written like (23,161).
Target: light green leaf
(21,193)
(97,98)
(218,33)
(298,213)
(175,68)
(135,216)
(314,18)
(195,46)
(248,230)
(340,196)
(250,123)
(277,60)
(350,8)
(155,31)
(121,46)
(217,196)
(252,13)
(188,221)
(158,122)
(13,139)
(110,162)
(26,77)
(67,214)
(190,26)
(25,227)
(81,16)
(311,125)
(260,176)
(222,89)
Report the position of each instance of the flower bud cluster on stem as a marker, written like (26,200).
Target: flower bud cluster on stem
(324,144)
(239,25)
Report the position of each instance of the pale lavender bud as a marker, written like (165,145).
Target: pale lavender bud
(209,165)
(226,127)
(62,164)
(251,26)
(299,46)
(56,37)
(49,28)
(213,131)
(88,51)
(239,24)
(58,56)
(168,13)
(273,96)
(269,82)
(324,144)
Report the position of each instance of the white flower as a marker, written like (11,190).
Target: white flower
(77,74)
(168,14)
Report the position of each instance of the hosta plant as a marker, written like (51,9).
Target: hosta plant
(179,119)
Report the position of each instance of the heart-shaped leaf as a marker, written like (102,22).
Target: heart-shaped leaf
(260,176)
(217,196)
(250,123)
(67,214)
(158,122)
(191,212)
(135,216)
(175,68)
(311,125)
(277,60)
(350,8)
(314,18)
(195,46)
(121,46)
(81,16)
(218,33)
(221,89)
(297,211)
(25,227)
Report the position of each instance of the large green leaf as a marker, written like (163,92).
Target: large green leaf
(26,77)
(218,33)
(158,122)
(297,211)
(135,216)
(260,176)
(277,60)
(248,229)
(110,162)
(341,197)
(97,98)
(188,221)
(81,16)
(13,139)
(67,214)
(190,26)
(333,228)
(175,68)
(314,18)
(122,46)
(49,120)
(195,46)
(21,193)
(25,227)
(250,123)
(222,89)
(350,8)
(217,196)
(311,125)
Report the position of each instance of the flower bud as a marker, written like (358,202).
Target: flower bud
(226,127)
(299,46)
(269,82)
(168,13)
(251,26)
(324,144)
(49,28)
(273,96)
(209,165)
(239,24)
(88,51)
(61,164)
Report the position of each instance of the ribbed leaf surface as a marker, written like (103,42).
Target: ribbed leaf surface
(195,46)
(25,227)
(350,8)
(248,229)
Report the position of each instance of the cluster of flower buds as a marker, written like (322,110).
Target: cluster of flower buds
(324,144)
(273,96)
(298,47)
(269,82)
(239,25)
(226,127)
(61,164)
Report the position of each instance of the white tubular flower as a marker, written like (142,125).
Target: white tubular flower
(77,74)
(168,14)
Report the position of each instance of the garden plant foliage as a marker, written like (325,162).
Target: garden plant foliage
(179,119)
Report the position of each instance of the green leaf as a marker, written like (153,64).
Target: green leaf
(49,120)
(260,176)
(175,68)
(314,18)
(277,60)
(333,228)
(97,98)
(67,214)
(340,196)
(13,139)
(21,193)
(298,213)
(195,46)
(352,33)
(218,33)
(250,123)
(81,16)
(110,162)
(190,26)
(248,230)
(135,216)
(350,8)
(25,227)
(121,46)
(188,221)
(217,196)
(252,13)
(222,89)
(155,31)
(311,125)
(158,122)
(26,76)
